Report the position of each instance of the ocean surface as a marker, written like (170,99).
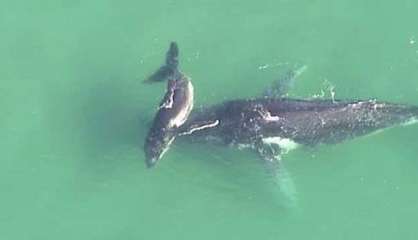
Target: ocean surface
(74,115)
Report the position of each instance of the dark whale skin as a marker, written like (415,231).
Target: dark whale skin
(172,112)
(252,121)
(308,122)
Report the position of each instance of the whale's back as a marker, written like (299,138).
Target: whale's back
(312,122)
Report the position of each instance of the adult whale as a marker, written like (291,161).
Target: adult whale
(273,124)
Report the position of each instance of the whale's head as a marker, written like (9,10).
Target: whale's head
(173,111)
(156,144)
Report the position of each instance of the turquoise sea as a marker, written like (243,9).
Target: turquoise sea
(74,115)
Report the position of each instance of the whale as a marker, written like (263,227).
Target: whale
(173,109)
(270,124)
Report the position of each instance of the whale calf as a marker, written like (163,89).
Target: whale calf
(270,124)
(173,110)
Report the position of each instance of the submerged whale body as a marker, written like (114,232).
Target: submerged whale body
(268,124)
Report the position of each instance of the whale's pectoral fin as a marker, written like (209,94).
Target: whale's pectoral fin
(198,126)
(169,69)
(267,152)
(270,154)
(284,83)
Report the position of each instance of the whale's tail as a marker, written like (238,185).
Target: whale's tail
(169,69)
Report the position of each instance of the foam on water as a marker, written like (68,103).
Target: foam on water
(285,144)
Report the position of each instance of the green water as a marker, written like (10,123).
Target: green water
(75,113)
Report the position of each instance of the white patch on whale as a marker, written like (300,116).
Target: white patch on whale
(285,144)
(166,148)
(169,102)
(210,125)
(181,117)
(410,122)
(242,146)
(268,117)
